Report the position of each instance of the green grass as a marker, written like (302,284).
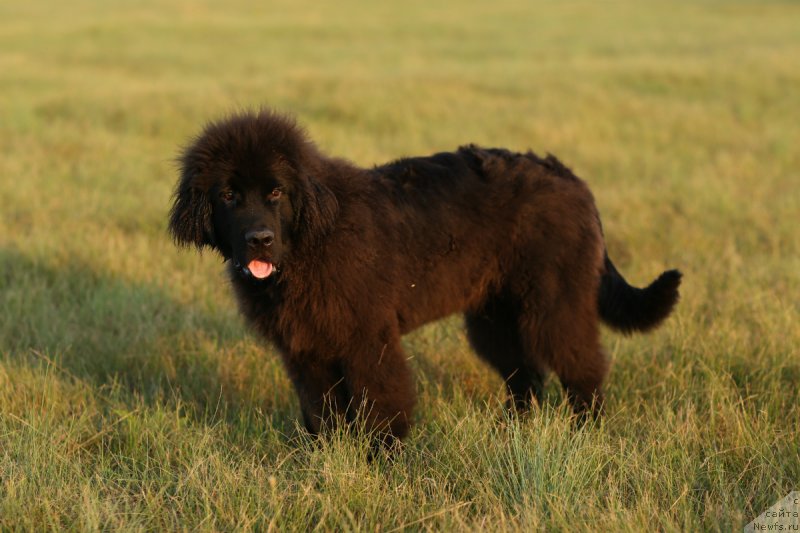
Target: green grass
(132,397)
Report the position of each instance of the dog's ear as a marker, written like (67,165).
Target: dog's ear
(190,216)
(318,212)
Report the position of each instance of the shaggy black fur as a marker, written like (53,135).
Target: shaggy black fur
(333,263)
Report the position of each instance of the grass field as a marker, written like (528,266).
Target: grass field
(132,397)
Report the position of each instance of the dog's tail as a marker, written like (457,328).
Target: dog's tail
(628,309)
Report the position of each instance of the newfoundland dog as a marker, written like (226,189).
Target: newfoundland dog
(334,263)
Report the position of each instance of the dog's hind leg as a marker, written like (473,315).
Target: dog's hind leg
(567,340)
(493,331)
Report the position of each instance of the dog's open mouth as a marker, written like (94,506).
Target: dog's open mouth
(257,268)
(260,269)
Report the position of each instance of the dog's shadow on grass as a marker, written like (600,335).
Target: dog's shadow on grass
(115,334)
(112,333)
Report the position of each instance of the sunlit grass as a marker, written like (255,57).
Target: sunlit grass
(133,397)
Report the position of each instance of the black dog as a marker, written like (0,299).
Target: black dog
(333,263)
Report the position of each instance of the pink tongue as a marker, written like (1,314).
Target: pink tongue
(260,269)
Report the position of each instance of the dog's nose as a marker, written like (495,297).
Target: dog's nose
(261,237)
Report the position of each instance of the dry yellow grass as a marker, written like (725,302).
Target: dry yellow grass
(131,395)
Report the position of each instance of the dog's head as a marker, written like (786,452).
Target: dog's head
(248,189)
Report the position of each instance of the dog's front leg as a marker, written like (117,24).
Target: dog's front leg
(382,389)
(321,387)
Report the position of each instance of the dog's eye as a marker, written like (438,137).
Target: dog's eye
(226,195)
(275,194)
